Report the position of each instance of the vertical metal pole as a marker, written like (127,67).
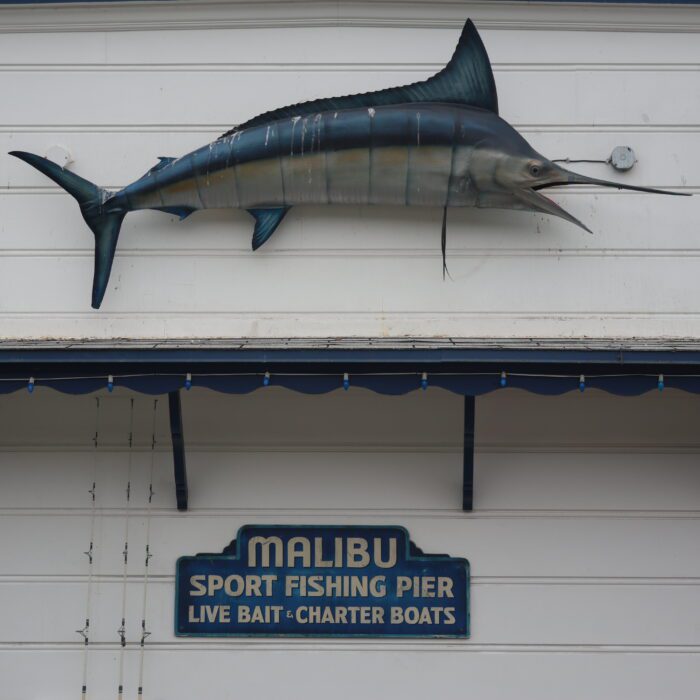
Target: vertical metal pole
(468,473)
(179,463)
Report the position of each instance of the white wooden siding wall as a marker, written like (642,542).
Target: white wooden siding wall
(583,543)
(120,85)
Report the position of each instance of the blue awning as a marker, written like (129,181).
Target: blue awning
(387,384)
(318,366)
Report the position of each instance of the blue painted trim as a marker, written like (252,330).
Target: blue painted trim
(427,558)
(69,2)
(467,371)
(178,442)
(552,2)
(328,357)
(624,2)
(464,381)
(468,457)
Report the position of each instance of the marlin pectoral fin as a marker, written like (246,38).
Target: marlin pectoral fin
(534,201)
(266,222)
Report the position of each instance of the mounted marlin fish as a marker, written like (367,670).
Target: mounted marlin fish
(434,143)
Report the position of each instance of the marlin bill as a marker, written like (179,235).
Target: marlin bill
(434,143)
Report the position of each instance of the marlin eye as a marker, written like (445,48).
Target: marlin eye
(535,170)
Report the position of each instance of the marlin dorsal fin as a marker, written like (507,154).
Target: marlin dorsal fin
(466,80)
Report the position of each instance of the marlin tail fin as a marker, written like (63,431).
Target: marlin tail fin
(103,220)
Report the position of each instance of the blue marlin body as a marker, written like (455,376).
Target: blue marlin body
(436,143)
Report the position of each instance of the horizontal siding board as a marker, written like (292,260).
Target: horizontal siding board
(34,481)
(330,46)
(514,545)
(215,15)
(206,284)
(309,481)
(502,613)
(424,481)
(616,481)
(578,97)
(578,675)
(222,480)
(160,324)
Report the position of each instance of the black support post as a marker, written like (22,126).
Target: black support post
(180,467)
(468,474)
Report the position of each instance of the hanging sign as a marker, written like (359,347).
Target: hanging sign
(340,581)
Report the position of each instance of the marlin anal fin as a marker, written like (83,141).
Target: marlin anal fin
(266,222)
(467,79)
(182,212)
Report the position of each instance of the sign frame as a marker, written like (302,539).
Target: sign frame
(411,553)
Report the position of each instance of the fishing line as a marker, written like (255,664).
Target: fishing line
(85,631)
(144,632)
(580,160)
(122,629)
